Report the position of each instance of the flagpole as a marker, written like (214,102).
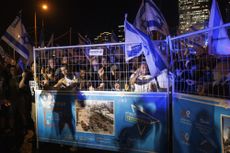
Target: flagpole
(126,15)
(35,29)
(70,35)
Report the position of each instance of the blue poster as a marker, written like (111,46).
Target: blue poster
(116,121)
(200,124)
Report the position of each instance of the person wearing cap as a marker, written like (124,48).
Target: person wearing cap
(141,81)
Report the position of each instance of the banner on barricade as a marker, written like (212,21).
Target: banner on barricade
(200,124)
(108,121)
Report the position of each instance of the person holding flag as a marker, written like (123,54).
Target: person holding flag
(137,43)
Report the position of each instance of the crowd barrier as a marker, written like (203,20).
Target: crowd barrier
(84,98)
(200,124)
(116,121)
(196,66)
(105,112)
(201,106)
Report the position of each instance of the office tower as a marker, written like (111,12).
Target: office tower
(193,13)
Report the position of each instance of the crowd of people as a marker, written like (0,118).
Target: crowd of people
(201,73)
(16,102)
(73,71)
(62,70)
(194,73)
(69,69)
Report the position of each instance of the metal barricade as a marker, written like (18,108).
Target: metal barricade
(98,67)
(196,69)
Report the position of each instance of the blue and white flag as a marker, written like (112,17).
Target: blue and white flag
(218,42)
(133,42)
(149,18)
(137,42)
(17,37)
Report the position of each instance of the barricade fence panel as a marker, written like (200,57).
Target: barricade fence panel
(197,68)
(99,67)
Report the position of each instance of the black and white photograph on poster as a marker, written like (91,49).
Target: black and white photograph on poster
(226,134)
(32,85)
(95,116)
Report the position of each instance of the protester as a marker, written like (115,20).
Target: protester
(141,81)
(69,81)
(26,101)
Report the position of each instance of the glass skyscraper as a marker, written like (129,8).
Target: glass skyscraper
(193,13)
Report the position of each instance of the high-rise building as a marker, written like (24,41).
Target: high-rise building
(120,33)
(193,12)
(106,37)
(103,37)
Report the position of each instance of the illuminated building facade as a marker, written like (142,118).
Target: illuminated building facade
(107,37)
(193,12)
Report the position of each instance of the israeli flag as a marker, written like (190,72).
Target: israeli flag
(17,37)
(133,42)
(218,42)
(149,18)
(136,43)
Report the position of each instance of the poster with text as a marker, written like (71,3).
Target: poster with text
(198,123)
(114,121)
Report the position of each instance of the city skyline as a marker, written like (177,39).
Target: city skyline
(191,13)
(102,16)
(194,14)
(99,16)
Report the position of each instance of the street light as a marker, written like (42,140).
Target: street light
(44,7)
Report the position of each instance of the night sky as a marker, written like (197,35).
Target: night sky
(84,16)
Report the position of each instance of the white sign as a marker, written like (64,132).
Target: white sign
(33,86)
(96,52)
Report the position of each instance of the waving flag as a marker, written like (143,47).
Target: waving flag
(150,18)
(133,42)
(137,42)
(218,42)
(17,37)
